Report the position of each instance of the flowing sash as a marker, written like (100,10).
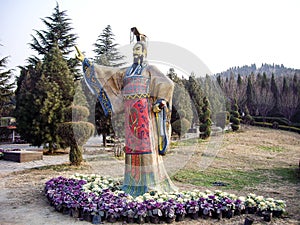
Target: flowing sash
(95,86)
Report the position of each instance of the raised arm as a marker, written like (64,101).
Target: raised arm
(79,54)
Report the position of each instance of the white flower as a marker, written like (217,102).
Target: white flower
(242,198)
(251,195)
(139,199)
(160,200)
(232,196)
(259,199)
(181,200)
(224,194)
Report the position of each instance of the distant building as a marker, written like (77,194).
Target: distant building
(8,130)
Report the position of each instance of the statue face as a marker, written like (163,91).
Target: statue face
(138,53)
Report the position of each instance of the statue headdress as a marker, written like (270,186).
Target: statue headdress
(139,37)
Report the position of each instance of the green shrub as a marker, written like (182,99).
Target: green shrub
(76,113)
(205,120)
(181,126)
(76,131)
(75,134)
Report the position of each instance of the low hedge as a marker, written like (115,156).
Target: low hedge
(276,126)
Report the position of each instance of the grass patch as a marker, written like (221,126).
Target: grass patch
(235,179)
(188,142)
(271,148)
(62,167)
(286,174)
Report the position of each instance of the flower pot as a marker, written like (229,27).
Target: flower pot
(237,212)
(87,216)
(229,214)
(66,211)
(267,216)
(75,213)
(277,213)
(58,208)
(180,217)
(96,219)
(140,219)
(154,219)
(217,215)
(169,220)
(129,220)
(248,221)
(250,210)
(194,216)
(111,219)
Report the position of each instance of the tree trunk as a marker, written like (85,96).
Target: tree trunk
(75,155)
(104,139)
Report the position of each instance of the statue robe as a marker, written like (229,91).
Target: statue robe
(134,91)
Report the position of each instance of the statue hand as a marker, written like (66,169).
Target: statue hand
(79,55)
(158,106)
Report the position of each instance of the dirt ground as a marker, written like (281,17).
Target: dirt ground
(22,200)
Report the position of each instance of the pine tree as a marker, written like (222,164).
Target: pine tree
(235,117)
(58,32)
(44,91)
(106,50)
(107,54)
(6,88)
(205,120)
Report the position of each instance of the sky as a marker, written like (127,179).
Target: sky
(222,34)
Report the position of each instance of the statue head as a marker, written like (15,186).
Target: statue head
(139,52)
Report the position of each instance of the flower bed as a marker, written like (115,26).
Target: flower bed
(95,198)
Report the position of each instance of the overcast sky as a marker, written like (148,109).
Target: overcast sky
(221,33)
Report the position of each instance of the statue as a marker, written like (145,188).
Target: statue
(145,95)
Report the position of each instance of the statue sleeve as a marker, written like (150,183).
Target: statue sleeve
(106,83)
(162,89)
(161,86)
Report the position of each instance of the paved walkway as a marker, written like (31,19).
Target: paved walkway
(7,167)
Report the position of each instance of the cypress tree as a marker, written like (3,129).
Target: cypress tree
(27,109)
(250,95)
(274,89)
(235,117)
(205,120)
(196,95)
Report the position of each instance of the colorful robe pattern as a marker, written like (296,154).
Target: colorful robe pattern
(134,91)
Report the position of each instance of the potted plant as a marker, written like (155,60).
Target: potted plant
(169,211)
(180,211)
(141,215)
(154,211)
(192,209)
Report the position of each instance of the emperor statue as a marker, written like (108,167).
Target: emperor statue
(144,94)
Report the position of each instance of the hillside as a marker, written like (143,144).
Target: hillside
(277,70)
